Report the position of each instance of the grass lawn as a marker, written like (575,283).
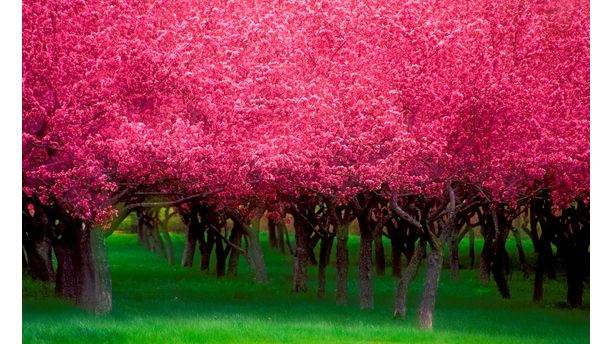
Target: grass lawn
(154,302)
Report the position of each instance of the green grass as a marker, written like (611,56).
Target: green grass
(157,303)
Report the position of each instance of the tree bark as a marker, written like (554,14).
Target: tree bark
(366,296)
(453,246)
(486,256)
(576,274)
(236,239)
(499,255)
(312,243)
(256,252)
(156,241)
(432,281)
(300,263)
(169,246)
(272,233)
(142,232)
(206,249)
(39,257)
(379,252)
(472,250)
(193,233)
(521,253)
(542,264)
(288,241)
(282,233)
(220,256)
(342,263)
(324,253)
(407,275)
(82,273)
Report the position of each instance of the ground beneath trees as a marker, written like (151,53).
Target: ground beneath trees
(157,303)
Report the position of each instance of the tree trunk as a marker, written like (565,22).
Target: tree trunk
(366,297)
(379,252)
(521,253)
(282,233)
(142,233)
(272,233)
(289,247)
(342,263)
(499,255)
(312,243)
(472,251)
(575,281)
(432,280)
(220,256)
(82,273)
(407,275)
(324,253)
(156,241)
(486,258)
(169,247)
(576,254)
(256,254)
(453,247)
(236,239)
(542,265)
(192,235)
(300,263)
(39,258)
(206,249)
